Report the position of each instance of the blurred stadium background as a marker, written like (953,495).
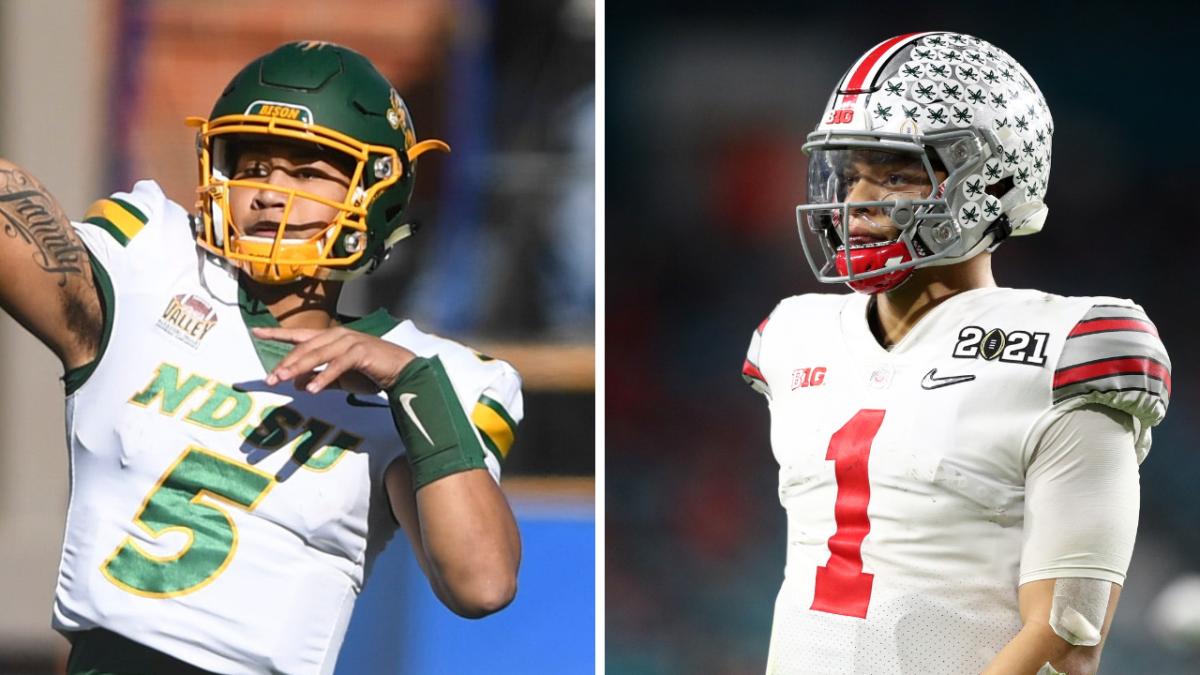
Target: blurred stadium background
(94,94)
(707,105)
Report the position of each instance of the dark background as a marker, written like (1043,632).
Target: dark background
(707,107)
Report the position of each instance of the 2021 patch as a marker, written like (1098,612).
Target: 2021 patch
(1015,346)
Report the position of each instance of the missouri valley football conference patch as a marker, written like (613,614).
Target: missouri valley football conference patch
(188,319)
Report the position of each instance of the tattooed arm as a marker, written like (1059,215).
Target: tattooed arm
(45,276)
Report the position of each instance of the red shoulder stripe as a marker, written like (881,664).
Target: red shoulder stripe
(1118,365)
(751,370)
(1100,325)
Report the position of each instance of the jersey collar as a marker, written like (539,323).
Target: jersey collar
(256,314)
(857,330)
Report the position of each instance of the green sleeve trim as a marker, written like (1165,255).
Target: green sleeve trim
(119,218)
(108,226)
(436,432)
(135,211)
(497,429)
(75,378)
(487,442)
(499,408)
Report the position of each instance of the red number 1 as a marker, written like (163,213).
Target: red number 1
(842,586)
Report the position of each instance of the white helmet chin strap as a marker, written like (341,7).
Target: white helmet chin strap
(402,232)
(218,214)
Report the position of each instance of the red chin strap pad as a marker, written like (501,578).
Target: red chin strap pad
(866,259)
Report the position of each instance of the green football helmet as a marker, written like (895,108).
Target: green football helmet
(330,99)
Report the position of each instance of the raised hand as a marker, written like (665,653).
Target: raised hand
(352,360)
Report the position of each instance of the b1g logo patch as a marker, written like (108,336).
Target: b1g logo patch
(1016,346)
(808,377)
(188,319)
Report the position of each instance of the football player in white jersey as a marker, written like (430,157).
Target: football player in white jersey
(958,461)
(240,452)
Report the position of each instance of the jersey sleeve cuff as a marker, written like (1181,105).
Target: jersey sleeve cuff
(1101,573)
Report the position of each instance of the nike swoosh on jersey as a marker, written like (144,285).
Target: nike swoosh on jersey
(931,381)
(406,403)
(364,403)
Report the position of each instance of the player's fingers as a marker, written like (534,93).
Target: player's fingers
(340,364)
(351,380)
(300,359)
(293,335)
(295,364)
(301,381)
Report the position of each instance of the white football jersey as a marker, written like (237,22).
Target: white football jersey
(214,518)
(902,471)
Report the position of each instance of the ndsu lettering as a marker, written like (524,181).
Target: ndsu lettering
(315,444)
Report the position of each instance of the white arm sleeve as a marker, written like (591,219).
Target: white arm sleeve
(1082,496)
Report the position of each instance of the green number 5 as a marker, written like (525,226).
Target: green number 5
(175,505)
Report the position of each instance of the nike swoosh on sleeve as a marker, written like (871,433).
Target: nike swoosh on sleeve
(406,403)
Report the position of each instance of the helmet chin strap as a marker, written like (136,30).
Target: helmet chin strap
(403,232)
(218,215)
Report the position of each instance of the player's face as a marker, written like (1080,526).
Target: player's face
(873,176)
(257,211)
(858,175)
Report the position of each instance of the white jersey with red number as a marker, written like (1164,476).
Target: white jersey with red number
(903,472)
(225,522)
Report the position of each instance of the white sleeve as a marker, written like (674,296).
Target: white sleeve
(496,413)
(130,235)
(1082,495)
(1114,356)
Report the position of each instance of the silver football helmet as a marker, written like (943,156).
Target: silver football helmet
(958,109)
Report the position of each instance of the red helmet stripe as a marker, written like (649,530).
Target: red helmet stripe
(859,74)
